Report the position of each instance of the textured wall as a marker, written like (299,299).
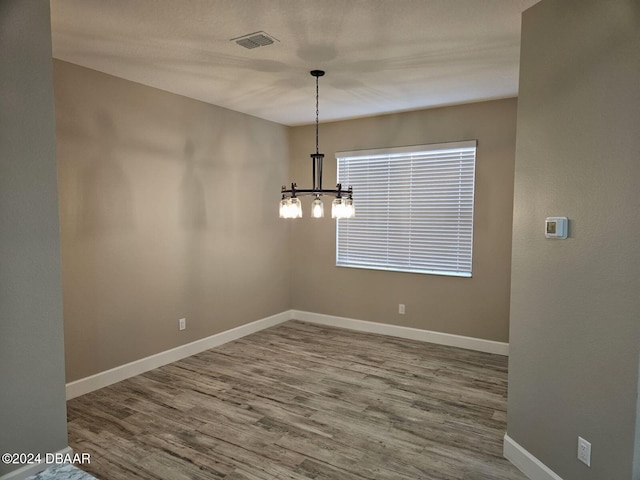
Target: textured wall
(476,307)
(575,333)
(32,398)
(168,209)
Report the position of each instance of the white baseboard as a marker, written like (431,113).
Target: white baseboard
(471,343)
(526,463)
(117,374)
(30,470)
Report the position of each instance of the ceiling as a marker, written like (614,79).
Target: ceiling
(381,56)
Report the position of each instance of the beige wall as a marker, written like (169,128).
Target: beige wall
(32,397)
(575,331)
(168,209)
(476,307)
(146,238)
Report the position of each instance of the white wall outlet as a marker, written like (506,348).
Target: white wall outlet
(584,451)
(401,308)
(182,323)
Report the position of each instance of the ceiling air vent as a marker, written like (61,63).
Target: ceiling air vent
(254,40)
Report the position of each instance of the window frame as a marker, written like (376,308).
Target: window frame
(435,264)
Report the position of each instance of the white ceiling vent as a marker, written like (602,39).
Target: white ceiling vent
(254,40)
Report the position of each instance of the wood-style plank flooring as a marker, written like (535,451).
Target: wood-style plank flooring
(301,401)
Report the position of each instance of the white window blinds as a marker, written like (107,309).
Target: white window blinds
(414,209)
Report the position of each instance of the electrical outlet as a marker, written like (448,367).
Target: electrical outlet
(584,451)
(182,323)
(401,308)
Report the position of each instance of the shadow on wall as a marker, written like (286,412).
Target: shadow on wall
(193,219)
(193,206)
(106,198)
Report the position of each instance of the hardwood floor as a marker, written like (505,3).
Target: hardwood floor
(301,401)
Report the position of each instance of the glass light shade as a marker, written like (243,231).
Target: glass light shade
(283,208)
(349,209)
(337,208)
(296,208)
(317,208)
(290,208)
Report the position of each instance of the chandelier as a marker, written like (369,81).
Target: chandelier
(341,206)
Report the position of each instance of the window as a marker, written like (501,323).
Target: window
(414,209)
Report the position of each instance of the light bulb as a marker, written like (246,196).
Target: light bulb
(317,208)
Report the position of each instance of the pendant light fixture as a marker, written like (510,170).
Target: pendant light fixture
(342,205)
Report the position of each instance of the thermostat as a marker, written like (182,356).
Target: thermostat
(556,227)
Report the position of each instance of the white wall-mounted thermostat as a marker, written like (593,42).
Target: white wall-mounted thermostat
(556,227)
